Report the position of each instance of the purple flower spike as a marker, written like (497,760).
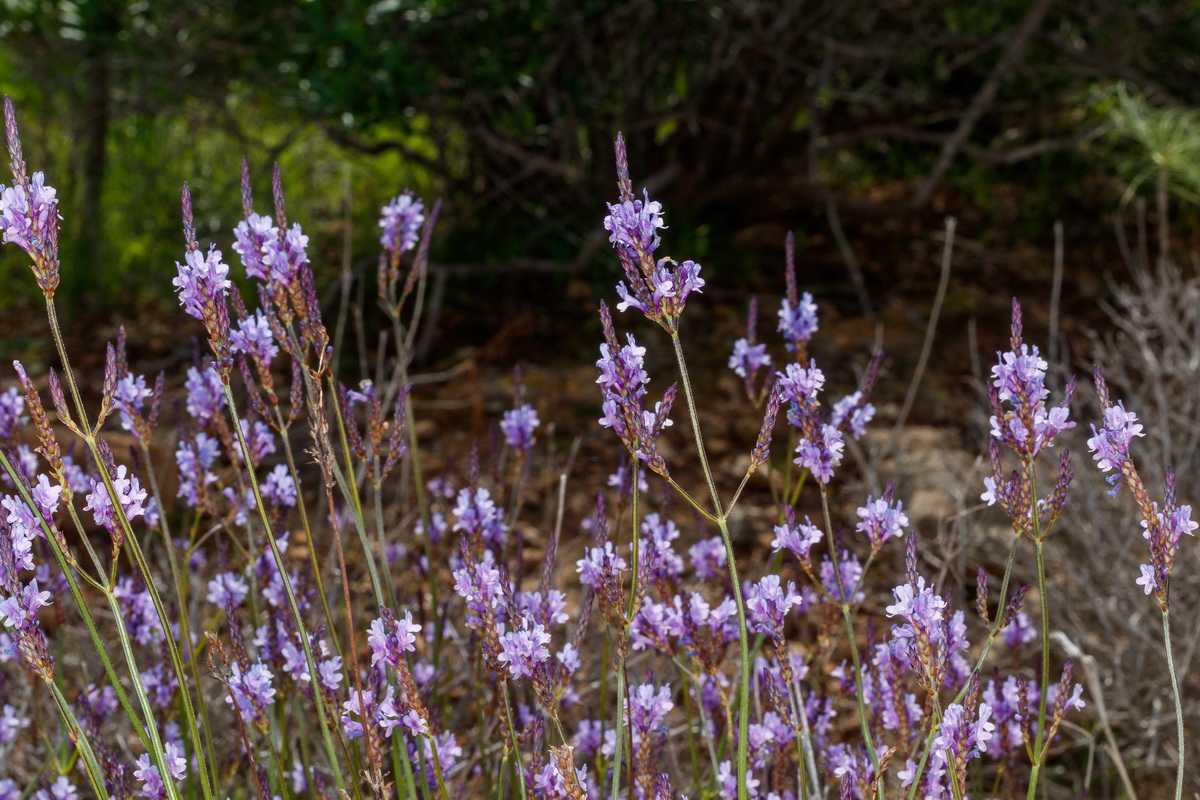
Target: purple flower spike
(202,282)
(152,782)
(251,691)
(524,649)
(518,426)
(768,603)
(797,322)
(797,538)
(655,289)
(254,338)
(822,453)
(1110,444)
(881,520)
(748,359)
(401,221)
(1020,418)
(391,638)
(29,211)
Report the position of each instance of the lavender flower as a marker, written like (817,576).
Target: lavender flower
(130,495)
(518,425)
(250,238)
(747,359)
(61,789)
(22,606)
(768,603)
(797,538)
(205,393)
(524,649)
(227,590)
(597,562)
(203,281)
(1018,395)
(797,321)
(852,414)
(253,337)
(708,558)
(822,453)
(391,638)
(1163,527)
(622,381)
(279,488)
(29,211)
(401,221)
(1110,445)
(881,520)
(152,783)
(654,288)
(251,691)
(476,516)
(12,413)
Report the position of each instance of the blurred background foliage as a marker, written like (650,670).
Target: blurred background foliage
(841,119)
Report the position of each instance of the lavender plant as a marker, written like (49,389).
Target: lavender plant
(268,620)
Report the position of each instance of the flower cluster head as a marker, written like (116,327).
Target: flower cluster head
(274,254)
(881,519)
(518,425)
(659,289)
(401,221)
(147,773)
(1162,527)
(251,691)
(391,638)
(202,282)
(768,603)
(622,381)
(821,444)
(524,649)
(797,538)
(130,495)
(964,733)
(1018,393)
(930,636)
(797,313)
(29,211)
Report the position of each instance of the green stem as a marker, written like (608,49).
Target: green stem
(848,620)
(301,628)
(1178,704)
(139,558)
(731,558)
(1041,727)
(82,745)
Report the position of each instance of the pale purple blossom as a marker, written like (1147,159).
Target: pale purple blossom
(227,590)
(518,425)
(253,337)
(401,220)
(881,519)
(822,453)
(153,787)
(250,238)
(202,282)
(12,413)
(390,638)
(279,488)
(797,538)
(251,691)
(131,391)
(130,495)
(797,321)
(61,789)
(205,393)
(524,649)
